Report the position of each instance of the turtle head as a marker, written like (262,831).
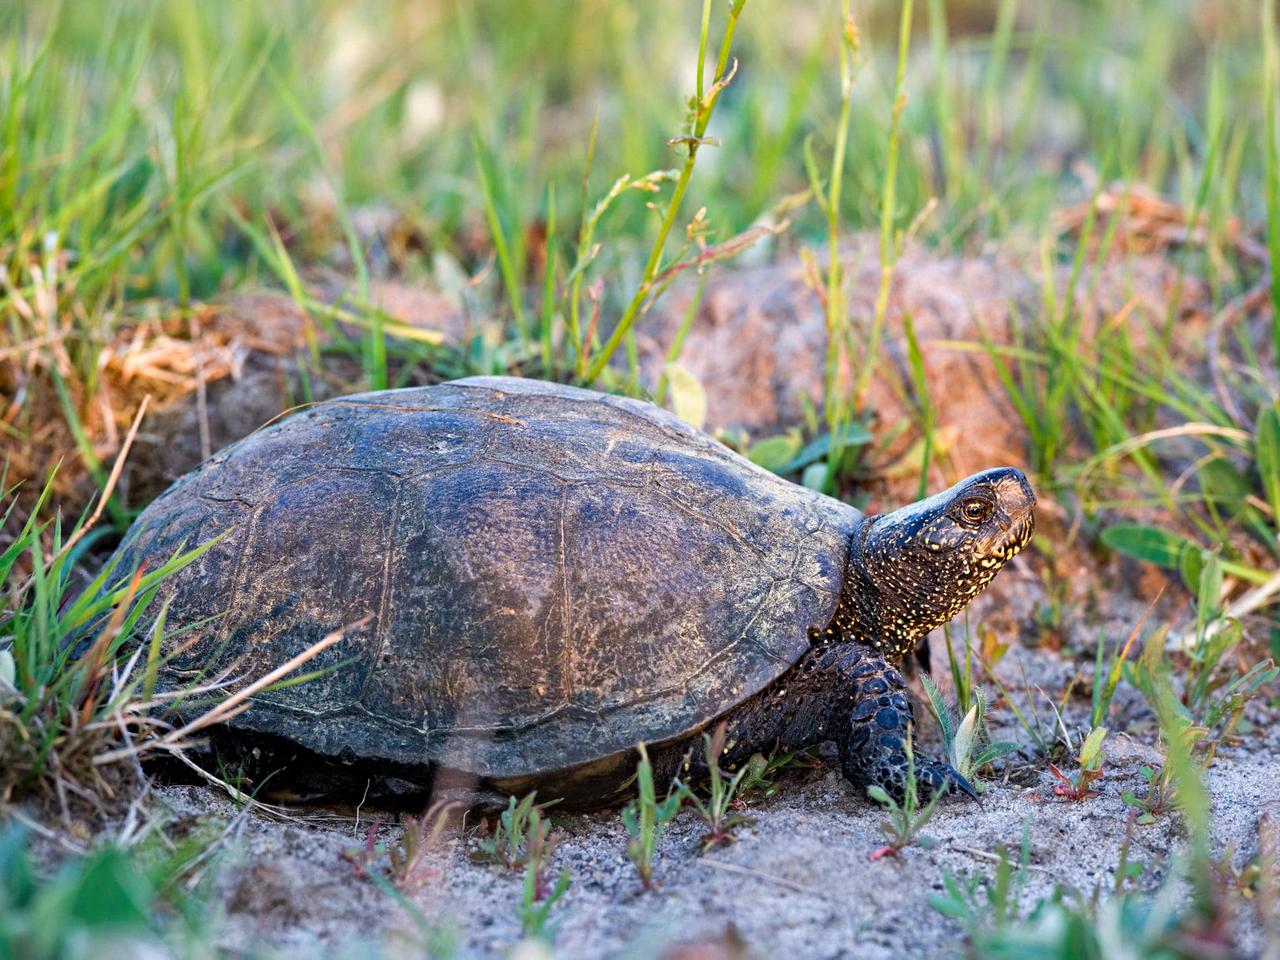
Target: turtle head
(919,566)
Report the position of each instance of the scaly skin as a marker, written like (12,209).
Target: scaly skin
(908,572)
(879,725)
(839,691)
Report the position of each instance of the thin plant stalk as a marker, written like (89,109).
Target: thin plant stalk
(1271,83)
(549,286)
(837,313)
(584,245)
(704,107)
(888,204)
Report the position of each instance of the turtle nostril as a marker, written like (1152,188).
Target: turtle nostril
(1025,495)
(1024,485)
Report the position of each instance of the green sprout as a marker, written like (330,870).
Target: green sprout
(647,820)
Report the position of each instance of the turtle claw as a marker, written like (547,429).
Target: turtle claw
(960,782)
(933,776)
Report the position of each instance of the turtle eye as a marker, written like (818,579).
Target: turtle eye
(975,510)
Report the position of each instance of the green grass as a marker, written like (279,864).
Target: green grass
(646,819)
(65,693)
(134,135)
(966,742)
(560,177)
(78,707)
(153,896)
(511,839)
(723,790)
(540,893)
(179,138)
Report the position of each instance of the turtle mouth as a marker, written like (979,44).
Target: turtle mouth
(1015,523)
(1003,546)
(1017,536)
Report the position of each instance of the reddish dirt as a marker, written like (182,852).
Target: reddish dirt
(759,340)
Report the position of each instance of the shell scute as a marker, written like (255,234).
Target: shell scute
(547,575)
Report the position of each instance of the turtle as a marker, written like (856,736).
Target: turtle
(532,579)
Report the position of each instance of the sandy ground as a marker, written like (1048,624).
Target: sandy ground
(798,881)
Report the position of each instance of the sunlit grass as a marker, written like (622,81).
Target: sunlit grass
(157,156)
(153,128)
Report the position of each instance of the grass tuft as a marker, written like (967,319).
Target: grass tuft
(718,809)
(907,819)
(646,819)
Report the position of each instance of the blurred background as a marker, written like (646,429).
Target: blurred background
(873,246)
(288,111)
(156,156)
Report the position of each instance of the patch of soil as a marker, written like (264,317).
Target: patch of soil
(758,342)
(798,881)
(211,381)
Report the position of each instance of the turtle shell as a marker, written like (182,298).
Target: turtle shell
(531,576)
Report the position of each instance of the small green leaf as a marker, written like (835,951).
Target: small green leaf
(1152,544)
(941,712)
(815,476)
(1208,590)
(851,435)
(669,807)
(111,892)
(1267,452)
(8,673)
(688,398)
(956,909)
(1191,566)
(994,751)
(1222,483)
(1091,755)
(966,737)
(17,877)
(774,453)
(876,793)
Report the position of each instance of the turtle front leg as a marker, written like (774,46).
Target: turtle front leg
(841,691)
(878,727)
